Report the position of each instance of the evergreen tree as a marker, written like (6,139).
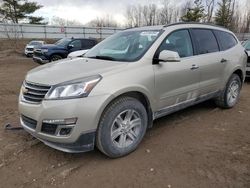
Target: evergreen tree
(194,14)
(225,13)
(18,10)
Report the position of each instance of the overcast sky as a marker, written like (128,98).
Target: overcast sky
(86,10)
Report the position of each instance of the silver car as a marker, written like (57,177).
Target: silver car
(29,48)
(246,45)
(112,95)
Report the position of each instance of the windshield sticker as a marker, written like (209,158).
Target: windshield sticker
(149,33)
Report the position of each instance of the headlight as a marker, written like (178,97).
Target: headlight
(73,89)
(44,50)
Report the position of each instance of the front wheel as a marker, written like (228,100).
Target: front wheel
(55,57)
(230,96)
(122,127)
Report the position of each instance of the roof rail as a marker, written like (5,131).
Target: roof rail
(180,23)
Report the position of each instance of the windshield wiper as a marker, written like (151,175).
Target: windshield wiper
(103,57)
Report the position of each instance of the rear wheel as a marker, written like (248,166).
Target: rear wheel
(122,127)
(55,57)
(230,96)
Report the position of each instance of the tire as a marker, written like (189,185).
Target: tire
(230,95)
(121,127)
(55,57)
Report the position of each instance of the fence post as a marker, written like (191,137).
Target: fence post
(101,33)
(45,32)
(83,30)
(21,28)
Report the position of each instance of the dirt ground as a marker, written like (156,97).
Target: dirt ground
(199,147)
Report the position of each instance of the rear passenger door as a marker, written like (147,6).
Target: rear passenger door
(209,60)
(87,44)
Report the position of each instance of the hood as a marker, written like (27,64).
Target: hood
(70,69)
(77,53)
(29,46)
(52,47)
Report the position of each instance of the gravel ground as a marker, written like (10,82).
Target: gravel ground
(202,146)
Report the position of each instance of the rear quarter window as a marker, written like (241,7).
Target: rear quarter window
(226,40)
(205,40)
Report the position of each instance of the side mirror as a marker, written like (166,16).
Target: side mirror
(70,46)
(169,56)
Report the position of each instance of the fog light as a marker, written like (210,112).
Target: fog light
(68,121)
(65,131)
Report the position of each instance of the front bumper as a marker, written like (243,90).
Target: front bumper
(40,60)
(82,137)
(86,142)
(28,52)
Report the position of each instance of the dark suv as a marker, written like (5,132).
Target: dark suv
(61,49)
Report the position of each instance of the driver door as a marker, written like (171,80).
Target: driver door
(75,45)
(176,83)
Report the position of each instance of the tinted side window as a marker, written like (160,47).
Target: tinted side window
(88,43)
(180,42)
(206,41)
(226,40)
(76,43)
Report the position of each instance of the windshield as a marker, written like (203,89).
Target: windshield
(63,42)
(247,45)
(35,43)
(124,46)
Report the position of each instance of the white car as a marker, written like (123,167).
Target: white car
(29,48)
(246,45)
(78,53)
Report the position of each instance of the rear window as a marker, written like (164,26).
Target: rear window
(226,40)
(206,41)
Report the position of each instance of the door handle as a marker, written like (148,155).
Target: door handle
(194,67)
(223,60)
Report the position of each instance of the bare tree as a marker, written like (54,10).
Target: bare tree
(246,20)
(135,16)
(64,22)
(166,14)
(185,7)
(106,21)
(247,23)
(169,13)
(12,32)
(209,8)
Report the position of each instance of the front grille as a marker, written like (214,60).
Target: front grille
(30,49)
(34,93)
(38,52)
(31,123)
(49,128)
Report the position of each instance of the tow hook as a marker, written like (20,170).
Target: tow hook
(10,127)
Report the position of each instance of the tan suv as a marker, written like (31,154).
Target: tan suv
(110,97)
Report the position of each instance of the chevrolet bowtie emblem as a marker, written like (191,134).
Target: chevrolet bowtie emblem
(24,90)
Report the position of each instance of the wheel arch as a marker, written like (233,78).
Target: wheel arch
(240,73)
(140,96)
(56,53)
